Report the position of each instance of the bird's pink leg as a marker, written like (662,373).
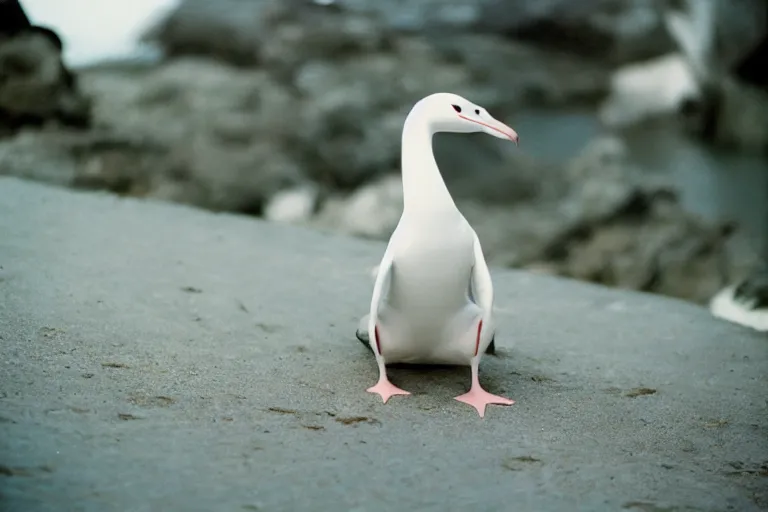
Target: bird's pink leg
(477,397)
(384,387)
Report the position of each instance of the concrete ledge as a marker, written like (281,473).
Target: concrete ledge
(156,357)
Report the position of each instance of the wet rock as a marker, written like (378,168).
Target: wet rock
(35,86)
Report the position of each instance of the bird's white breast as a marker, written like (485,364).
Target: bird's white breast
(428,293)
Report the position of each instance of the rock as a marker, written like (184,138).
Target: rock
(225,131)
(725,44)
(603,221)
(650,89)
(627,232)
(232,138)
(13,19)
(82,160)
(351,80)
(481,168)
(277,33)
(614,227)
(241,181)
(601,180)
(429,15)
(293,206)
(616,30)
(515,237)
(186,97)
(349,45)
(730,115)
(35,85)
(353,121)
(535,77)
(716,36)
(315,139)
(715,83)
(195,132)
(472,170)
(372,211)
(153,315)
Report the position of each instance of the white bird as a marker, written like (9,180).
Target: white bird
(432,298)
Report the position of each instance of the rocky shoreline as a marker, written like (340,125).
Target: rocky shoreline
(292,111)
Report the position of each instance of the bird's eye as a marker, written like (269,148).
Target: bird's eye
(456,108)
(477,111)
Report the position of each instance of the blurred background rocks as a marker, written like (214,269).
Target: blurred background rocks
(642,162)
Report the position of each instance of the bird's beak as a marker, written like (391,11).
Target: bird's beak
(496,128)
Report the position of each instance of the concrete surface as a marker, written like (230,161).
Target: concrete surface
(156,357)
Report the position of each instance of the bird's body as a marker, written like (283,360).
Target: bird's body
(429,311)
(433,296)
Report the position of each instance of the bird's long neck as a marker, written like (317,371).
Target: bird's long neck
(423,186)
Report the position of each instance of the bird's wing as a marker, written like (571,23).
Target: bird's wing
(380,289)
(482,285)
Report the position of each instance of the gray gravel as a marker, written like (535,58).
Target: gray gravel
(157,357)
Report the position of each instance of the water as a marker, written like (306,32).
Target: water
(714,184)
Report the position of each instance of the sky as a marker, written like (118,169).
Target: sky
(97,30)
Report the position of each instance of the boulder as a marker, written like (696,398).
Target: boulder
(275,33)
(715,82)
(35,86)
(211,360)
(603,222)
(616,31)
(650,90)
(344,45)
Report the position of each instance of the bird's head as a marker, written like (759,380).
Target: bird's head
(448,112)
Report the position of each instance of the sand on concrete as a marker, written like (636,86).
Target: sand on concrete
(158,357)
